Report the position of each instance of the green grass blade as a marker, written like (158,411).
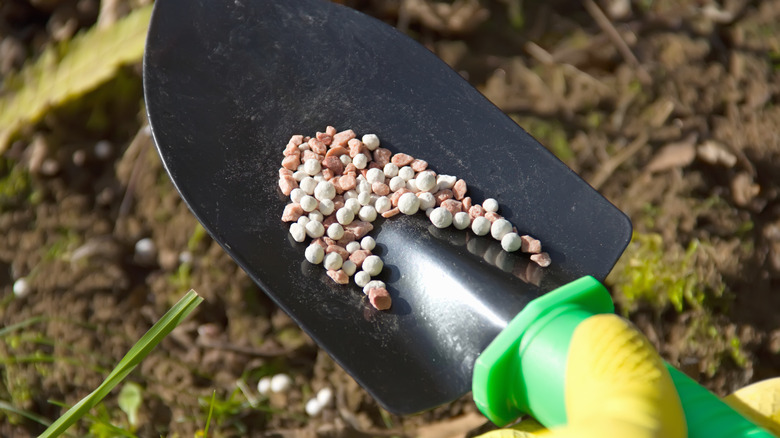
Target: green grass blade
(137,353)
(5,406)
(20,325)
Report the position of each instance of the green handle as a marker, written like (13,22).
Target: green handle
(707,415)
(523,369)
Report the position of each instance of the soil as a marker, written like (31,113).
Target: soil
(670,108)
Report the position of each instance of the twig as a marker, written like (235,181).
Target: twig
(606,26)
(545,57)
(138,145)
(608,167)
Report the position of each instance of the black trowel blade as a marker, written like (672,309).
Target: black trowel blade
(228,83)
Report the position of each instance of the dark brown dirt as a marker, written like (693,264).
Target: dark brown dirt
(683,138)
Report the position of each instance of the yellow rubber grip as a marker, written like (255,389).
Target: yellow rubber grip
(616,386)
(760,403)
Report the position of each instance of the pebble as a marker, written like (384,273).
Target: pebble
(335,231)
(480,226)
(315,229)
(352,247)
(368,243)
(324,190)
(383,204)
(360,161)
(308,185)
(298,232)
(312,166)
(390,170)
(374,284)
(425,181)
(264,385)
(500,228)
(364,198)
(530,245)
(371,141)
(445,182)
(21,287)
(325,396)
(406,173)
(362,278)
(375,176)
(461,220)
(314,254)
(187,257)
(145,251)
(299,175)
(363,186)
(313,407)
(427,200)
(441,217)
(490,204)
(349,267)
(339,184)
(345,215)
(542,259)
(296,195)
(104,149)
(373,265)
(379,298)
(511,242)
(353,204)
(409,203)
(333,261)
(396,183)
(326,207)
(367,213)
(281,383)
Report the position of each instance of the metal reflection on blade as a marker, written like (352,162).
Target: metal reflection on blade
(442,289)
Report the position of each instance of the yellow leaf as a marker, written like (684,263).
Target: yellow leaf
(70,70)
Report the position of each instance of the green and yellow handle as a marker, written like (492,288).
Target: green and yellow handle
(582,371)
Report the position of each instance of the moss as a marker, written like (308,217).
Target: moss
(198,236)
(661,274)
(515,14)
(15,185)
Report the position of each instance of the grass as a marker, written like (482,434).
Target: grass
(15,185)
(137,353)
(652,271)
(667,275)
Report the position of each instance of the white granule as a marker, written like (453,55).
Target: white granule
(408,203)
(480,225)
(441,217)
(314,253)
(373,265)
(461,220)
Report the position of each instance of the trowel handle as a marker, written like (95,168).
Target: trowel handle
(567,360)
(709,416)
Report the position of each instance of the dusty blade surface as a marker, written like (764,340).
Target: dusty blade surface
(227,84)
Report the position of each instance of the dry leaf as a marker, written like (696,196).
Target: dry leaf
(743,189)
(713,152)
(673,155)
(70,70)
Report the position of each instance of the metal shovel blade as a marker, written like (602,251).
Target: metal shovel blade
(228,83)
